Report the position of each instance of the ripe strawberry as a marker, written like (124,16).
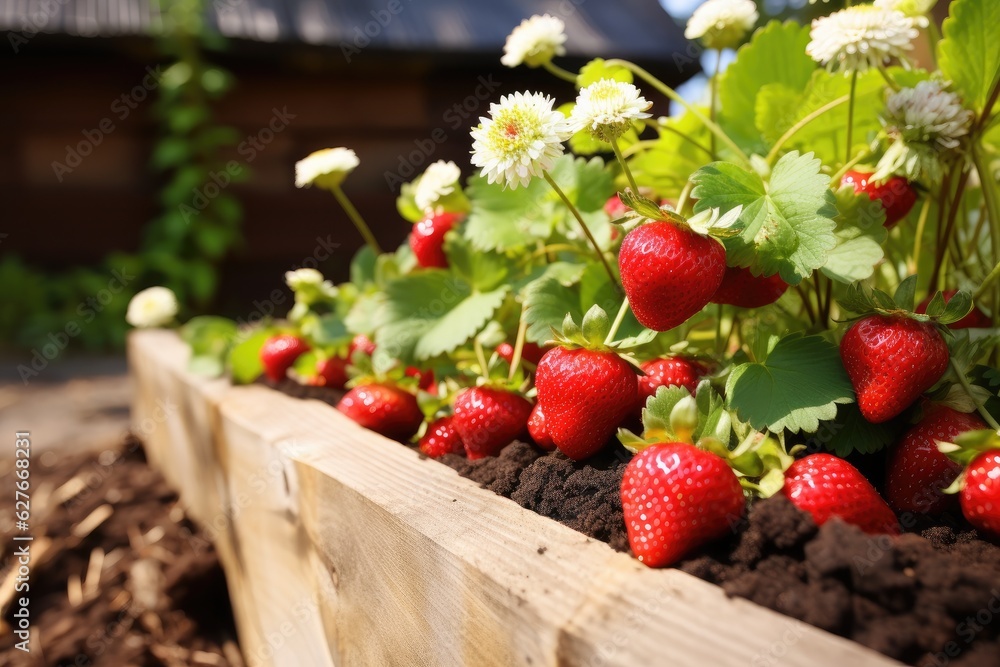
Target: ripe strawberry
(441,438)
(891,360)
(826,486)
(669,372)
(976,319)
(675,498)
(427,239)
(743,289)
(669,273)
(537,430)
(425,379)
(488,419)
(332,372)
(585,395)
(615,208)
(530,352)
(383,408)
(896,194)
(279,353)
(980,496)
(361,342)
(918,471)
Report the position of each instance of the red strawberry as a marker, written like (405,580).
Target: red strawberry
(891,360)
(530,352)
(896,194)
(537,430)
(669,372)
(585,396)
(976,319)
(441,438)
(615,208)
(742,288)
(427,239)
(279,353)
(332,372)
(675,498)
(918,471)
(383,408)
(488,419)
(361,342)
(826,486)
(980,497)
(669,273)
(425,379)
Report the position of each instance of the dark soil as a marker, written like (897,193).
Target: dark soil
(140,587)
(928,598)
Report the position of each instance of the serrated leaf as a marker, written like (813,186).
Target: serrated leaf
(851,432)
(969,54)
(547,302)
(860,234)
(776,54)
(656,413)
(799,385)
(484,271)
(787,227)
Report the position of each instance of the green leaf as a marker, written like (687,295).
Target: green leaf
(776,110)
(775,55)
(860,234)
(206,365)
(208,335)
(905,294)
(363,266)
(244,359)
(787,227)
(799,385)
(680,150)
(851,432)
(656,413)
(598,69)
(484,271)
(547,302)
(326,330)
(969,54)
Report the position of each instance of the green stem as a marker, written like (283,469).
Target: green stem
(850,115)
(480,356)
(671,94)
(515,361)
(683,136)
(621,160)
(563,74)
(921,224)
(847,167)
(806,303)
(964,381)
(992,200)
(683,198)
(773,154)
(949,226)
(356,218)
(639,146)
(718,330)
(714,86)
(586,230)
(619,318)
(888,78)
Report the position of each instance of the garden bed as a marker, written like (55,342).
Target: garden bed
(342,547)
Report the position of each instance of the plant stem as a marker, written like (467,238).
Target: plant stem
(718,329)
(888,79)
(847,167)
(683,198)
(992,201)
(773,154)
(563,74)
(921,224)
(480,356)
(619,318)
(850,114)
(714,86)
(671,94)
(683,136)
(356,218)
(964,381)
(586,230)
(949,225)
(515,361)
(806,303)
(621,160)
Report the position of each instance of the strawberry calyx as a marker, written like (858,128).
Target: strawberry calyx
(707,223)
(595,333)
(863,302)
(965,448)
(673,414)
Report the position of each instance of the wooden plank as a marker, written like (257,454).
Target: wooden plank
(409,563)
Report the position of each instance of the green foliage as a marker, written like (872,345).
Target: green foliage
(244,358)
(969,54)
(860,234)
(680,150)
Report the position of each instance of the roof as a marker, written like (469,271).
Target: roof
(629,28)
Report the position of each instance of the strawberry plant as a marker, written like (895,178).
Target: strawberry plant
(725,272)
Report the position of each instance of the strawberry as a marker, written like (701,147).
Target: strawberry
(891,360)
(441,438)
(383,408)
(742,288)
(332,372)
(615,208)
(360,342)
(918,471)
(427,239)
(980,495)
(896,194)
(669,273)
(279,353)
(826,486)
(669,372)
(675,498)
(585,394)
(537,430)
(976,319)
(425,379)
(530,352)
(488,419)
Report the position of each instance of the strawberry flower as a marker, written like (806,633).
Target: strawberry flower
(520,140)
(722,24)
(859,38)
(326,168)
(437,182)
(535,42)
(607,108)
(152,307)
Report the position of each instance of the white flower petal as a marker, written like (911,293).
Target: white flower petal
(535,42)
(721,24)
(439,180)
(861,37)
(335,163)
(152,307)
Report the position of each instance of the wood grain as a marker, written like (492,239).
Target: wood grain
(406,563)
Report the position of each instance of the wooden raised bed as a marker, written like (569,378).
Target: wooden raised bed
(344,548)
